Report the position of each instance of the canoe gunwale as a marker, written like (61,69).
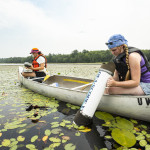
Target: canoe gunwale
(69,89)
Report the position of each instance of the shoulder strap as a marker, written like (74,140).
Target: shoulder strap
(36,57)
(133,49)
(147,64)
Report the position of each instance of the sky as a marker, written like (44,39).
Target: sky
(61,26)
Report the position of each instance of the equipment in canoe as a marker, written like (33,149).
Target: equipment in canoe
(137,107)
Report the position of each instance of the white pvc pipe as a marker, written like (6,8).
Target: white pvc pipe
(95,93)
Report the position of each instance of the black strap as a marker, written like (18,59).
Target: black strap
(144,72)
(143,66)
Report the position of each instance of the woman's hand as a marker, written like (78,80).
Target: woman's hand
(30,67)
(111,82)
(41,67)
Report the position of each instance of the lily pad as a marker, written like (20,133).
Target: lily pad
(66,138)
(54,145)
(21,131)
(2,116)
(143,126)
(66,121)
(69,126)
(13,143)
(44,138)
(70,146)
(104,116)
(14,147)
(107,124)
(34,138)
(143,143)
(124,123)
(20,138)
(61,134)
(6,142)
(134,121)
(55,126)
(30,146)
(77,134)
(12,139)
(123,137)
(108,137)
(47,132)
(62,124)
(55,117)
(148,135)
(56,131)
(53,139)
(147,147)
(81,127)
(64,141)
(140,137)
(144,132)
(53,123)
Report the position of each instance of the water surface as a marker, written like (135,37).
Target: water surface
(32,121)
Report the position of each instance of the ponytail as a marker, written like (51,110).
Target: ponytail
(128,76)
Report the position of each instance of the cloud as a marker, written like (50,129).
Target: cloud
(63,25)
(24,22)
(22,13)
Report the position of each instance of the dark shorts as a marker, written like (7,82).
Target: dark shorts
(40,74)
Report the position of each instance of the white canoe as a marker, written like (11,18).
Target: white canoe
(136,107)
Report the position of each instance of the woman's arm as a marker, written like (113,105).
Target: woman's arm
(41,67)
(115,76)
(135,70)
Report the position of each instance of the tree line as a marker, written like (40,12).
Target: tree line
(75,57)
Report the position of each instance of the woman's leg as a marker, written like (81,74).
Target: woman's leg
(119,90)
(40,74)
(29,74)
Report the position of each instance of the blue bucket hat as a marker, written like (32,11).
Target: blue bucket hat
(116,40)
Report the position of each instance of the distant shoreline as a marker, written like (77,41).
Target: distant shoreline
(18,64)
(10,64)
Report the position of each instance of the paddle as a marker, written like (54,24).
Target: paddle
(82,86)
(88,108)
(86,86)
(46,77)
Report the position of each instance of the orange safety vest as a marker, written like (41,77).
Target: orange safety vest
(36,64)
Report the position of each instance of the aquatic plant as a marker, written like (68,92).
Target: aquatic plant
(125,132)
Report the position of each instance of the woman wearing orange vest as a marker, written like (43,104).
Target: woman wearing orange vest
(39,64)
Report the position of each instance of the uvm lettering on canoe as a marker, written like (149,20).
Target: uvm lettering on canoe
(141,101)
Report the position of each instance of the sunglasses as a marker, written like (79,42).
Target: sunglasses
(110,43)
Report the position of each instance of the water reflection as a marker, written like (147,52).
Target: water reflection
(36,113)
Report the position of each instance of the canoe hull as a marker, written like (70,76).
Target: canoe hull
(136,107)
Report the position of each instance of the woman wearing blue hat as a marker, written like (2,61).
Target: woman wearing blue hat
(132,74)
